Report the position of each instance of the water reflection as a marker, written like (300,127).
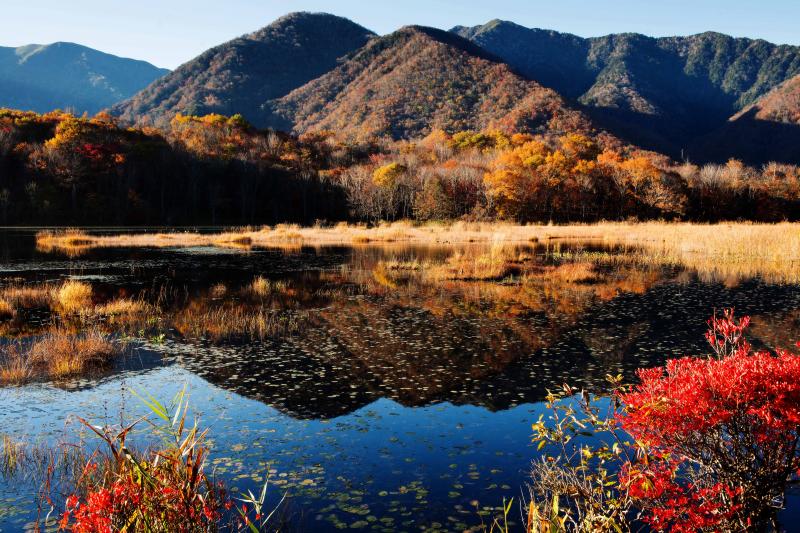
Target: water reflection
(391,382)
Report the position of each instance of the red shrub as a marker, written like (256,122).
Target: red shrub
(721,434)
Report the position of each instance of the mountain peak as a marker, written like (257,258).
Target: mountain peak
(242,74)
(417,79)
(307,21)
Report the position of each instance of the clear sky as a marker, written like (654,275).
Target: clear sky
(170,32)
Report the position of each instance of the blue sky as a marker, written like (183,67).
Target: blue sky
(169,32)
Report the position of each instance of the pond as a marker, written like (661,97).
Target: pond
(380,387)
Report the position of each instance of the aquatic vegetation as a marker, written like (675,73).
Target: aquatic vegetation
(123,307)
(218,290)
(572,272)
(14,369)
(57,354)
(65,355)
(702,444)
(496,264)
(19,296)
(262,287)
(73,297)
(225,322)
(166,489)
(6,309)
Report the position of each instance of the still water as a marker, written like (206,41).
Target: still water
(401,398)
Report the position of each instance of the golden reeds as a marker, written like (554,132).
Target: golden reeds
(6,309)
(227,322)
(27,296)
(57,354)
(73,297)
(63,355)
(122,307)
(718,251)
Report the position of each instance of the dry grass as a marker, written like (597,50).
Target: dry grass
(64,355)
(122,307)
(582,272)
(57,354)
(397,265)
(218,290)
(261,287)
(771,251)
(501,261)
(73,297)
(6,309)
(222,323)
(14,370)
(27,296)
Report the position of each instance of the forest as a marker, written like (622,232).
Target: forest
(57,168)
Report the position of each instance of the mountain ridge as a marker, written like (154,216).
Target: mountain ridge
(68,75)
(457,86)
(238,76)
(660,92)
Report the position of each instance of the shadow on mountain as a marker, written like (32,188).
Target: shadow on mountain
(754,141)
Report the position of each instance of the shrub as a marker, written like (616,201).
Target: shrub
(702,444)
(731,421)
(167,489)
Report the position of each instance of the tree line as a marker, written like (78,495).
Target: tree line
(57,168)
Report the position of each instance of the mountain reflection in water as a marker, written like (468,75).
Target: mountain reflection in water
(384,342)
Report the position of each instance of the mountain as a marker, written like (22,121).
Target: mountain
(69,76)
(242,74)
(767,130)
(781,105)
(417,79)
(663,93)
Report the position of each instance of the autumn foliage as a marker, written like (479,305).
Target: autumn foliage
(61,169)
(733,419)
(168,489)
(714,439)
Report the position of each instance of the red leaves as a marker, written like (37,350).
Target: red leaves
(725,334)
(106,508)
(698,394)
(698,414)
(101,156)
(683,507)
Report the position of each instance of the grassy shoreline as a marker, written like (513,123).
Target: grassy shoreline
(746,248)
(406,231)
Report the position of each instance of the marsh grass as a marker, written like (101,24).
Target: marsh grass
(262,287)
(14,370)
(57,354)
(6,309)
(19,296)
(498,263)
(218,290)
(73,297)
(572,272)
(771,251)
(64,355)
(236,321)
(123,307)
